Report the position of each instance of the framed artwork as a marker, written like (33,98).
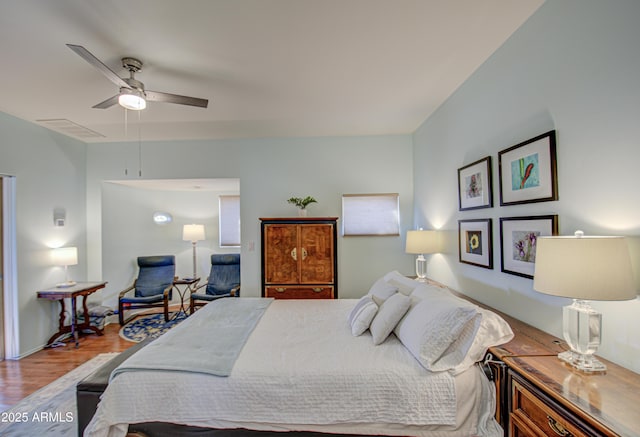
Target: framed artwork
(528,171)
(474,185)
(518,237)
(475,242)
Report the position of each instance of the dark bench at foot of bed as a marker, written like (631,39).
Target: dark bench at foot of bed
(89,390)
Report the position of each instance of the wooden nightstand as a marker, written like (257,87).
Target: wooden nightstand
(549,397)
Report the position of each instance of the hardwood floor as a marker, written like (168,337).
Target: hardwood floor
(20,378)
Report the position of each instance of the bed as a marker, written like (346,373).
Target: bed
(305,365)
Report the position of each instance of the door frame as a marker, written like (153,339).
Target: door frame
(9,326)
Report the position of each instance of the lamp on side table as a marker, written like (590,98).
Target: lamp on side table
(421,242)
(583,268)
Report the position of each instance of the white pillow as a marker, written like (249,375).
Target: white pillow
(426,291)
(381,291)
(405,285)
(439,331)
(362,314)
(388,316)
(493,331)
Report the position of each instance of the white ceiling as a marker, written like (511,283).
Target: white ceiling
(270,68)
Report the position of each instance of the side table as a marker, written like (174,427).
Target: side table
(60,294)
(182,286)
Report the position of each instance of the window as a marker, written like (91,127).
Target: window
(229,226)
(370,214)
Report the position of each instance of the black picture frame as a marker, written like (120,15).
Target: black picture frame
(528,171)
(518,237)
(475,242)
(475,185)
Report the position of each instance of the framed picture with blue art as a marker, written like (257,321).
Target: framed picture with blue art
(474,185)
(475,241)
(528,171)
(518,238)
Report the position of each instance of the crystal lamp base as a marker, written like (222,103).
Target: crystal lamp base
(421,268)
(581,328)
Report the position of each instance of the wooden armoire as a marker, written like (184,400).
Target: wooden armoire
(299,257)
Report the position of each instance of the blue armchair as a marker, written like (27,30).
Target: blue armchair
(223,281)
(152,288)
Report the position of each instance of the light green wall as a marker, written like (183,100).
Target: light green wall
(573,67)
(49,171)
(271,171)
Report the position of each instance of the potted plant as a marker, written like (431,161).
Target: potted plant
(302,204)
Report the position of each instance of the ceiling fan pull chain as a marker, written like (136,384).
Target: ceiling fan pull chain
(126,134)
(139,146)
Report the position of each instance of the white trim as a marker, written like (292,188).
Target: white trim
(10,268)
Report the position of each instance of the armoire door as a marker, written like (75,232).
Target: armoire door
(280,254)
(316,248)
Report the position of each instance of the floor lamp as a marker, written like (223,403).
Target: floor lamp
(193,233)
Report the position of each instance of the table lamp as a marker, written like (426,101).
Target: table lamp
(193,233)
(66,256)
(584,269)
(420,242)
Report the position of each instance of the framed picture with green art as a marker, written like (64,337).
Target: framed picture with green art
(528,171)
(475,241)
(518,242)
(474,185)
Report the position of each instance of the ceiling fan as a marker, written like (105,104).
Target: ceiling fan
(132,94)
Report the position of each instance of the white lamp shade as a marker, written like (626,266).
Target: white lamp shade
(193,233)
(65,256)
(586,268)
(419,242)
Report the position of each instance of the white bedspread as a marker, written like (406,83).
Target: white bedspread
(300,369)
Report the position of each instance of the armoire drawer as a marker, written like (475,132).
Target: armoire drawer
(299,292)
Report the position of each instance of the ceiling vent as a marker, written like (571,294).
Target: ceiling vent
(70,128)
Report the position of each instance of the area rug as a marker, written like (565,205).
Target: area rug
(52,410)
(150,326)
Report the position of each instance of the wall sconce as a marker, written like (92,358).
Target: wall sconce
(421,242)
(162,218)
(66,256)
(59,216)
(193,233)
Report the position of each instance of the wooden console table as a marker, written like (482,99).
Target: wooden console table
(60,294)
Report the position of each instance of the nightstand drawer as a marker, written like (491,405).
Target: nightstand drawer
(532,413)
(299,292)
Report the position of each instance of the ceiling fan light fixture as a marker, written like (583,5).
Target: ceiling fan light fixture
(132,99)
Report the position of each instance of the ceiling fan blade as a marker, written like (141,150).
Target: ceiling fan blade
(107,103)
(87,56)
(155,96)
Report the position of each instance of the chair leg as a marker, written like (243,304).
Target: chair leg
(120,313)
(191,306)
(166,310)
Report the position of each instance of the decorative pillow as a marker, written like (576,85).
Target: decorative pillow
(405,285)
(439,331)
(388,316)
(381,291)
(362,314)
